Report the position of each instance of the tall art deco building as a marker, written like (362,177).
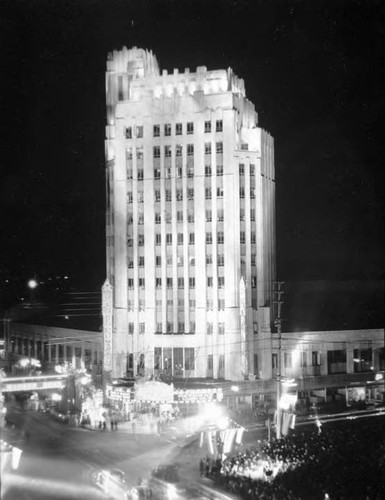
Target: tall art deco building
(190,223)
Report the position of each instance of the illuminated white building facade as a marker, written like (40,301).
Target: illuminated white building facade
(190,212)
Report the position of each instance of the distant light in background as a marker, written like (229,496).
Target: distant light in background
(32,284)
(235,388)
(56,397)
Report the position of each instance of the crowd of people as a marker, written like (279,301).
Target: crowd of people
(343,462)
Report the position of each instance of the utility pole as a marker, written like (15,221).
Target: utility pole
(278,323)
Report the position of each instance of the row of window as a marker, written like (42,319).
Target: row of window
(191,239)
(167,129)
(179,150)
(180,282)
(190,194)
(190,216)
(336,360)
(169,239)
(179,172)
(174,358)
(168,174)
(180,260)
(180,328)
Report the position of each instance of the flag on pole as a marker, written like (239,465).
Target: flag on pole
(239,435)
(201,440)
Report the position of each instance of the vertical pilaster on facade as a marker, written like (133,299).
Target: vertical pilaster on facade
(57,354)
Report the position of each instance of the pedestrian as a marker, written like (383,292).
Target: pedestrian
(104,425)
(112,424)
(116,423)
(100,425)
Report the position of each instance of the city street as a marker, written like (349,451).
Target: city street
(58,461)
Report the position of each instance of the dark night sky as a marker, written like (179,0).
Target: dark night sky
(314,71)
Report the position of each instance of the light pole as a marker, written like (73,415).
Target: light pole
(32,284)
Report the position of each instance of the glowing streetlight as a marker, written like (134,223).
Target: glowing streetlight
(32,284)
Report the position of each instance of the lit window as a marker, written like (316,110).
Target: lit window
(180,258)
(156,173)
(191,282)
(179,216)
(180,282)
(191,239)
(252,193)
(252,239)
(192,261)
(140,219)
(252,169)
(178,129)
(209,328)
(253,282)
(141,283)
(220,237)
(140,196)
(242,191)
(221,328)
(221,260)
(209,259)
(208,216)
(192,302)
(156,151)
(167,173)
(253,259)
(219,147)
(190,149)
(141,240)
(208,148)
(169,260)
(209,281)
(252,214)
(129,173)
(179,172)
(208,171)
(139,153)
(190,193)
(158,261)
(190,127)
(207,127)
(179,194)
(158,330)
(157,195)
(255,327)
(167,129)
(130,283)
(208,193)
(130,328)
(241,169)
(178,150)
(209,238)
(170,328)
(128,132)
(221,304)
(169,282)
(169,239)
(130,217)
(130,240)
(180,238)
(130,264)
(180,327)
(244,147)
(139,132)
(209,304)
(190,216)
(190,172)
(142,327)
(221,282)
(167,151)
(129,197)
(219,170)
(129,153)
(168,195)
(243,237)
(220,215)
(168,217)
(218,126)
(158,239)
(158,218)
(141,260)
(156,130)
